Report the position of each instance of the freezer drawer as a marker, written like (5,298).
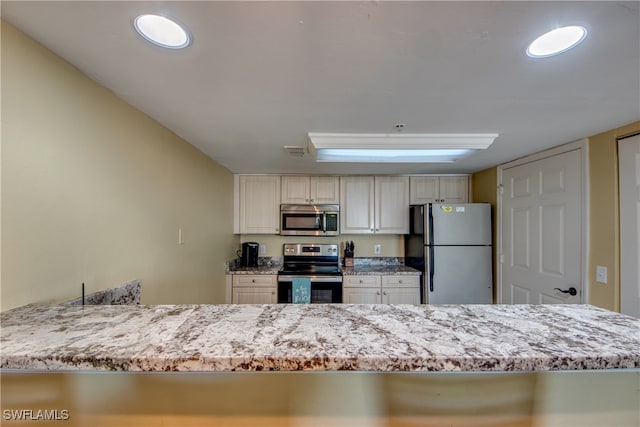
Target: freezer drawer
(459,275)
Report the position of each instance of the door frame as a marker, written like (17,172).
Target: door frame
(624,266)
(582,146)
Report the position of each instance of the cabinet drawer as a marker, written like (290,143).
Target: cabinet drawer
(400,281)
(254,280)
(361,281)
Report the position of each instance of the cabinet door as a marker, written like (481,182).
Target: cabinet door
(392,205)
(401,295)
(454,189)
(255,295)
(356,204)
(259,204)
(361,295)
(424,189)
(295,189)
(324,190)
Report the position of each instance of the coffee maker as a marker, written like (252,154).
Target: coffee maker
(249,255)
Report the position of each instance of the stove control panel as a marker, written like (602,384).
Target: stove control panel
(310,249)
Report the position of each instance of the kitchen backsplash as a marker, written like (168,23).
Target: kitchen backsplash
(276,262)
(125,294)
(391,245)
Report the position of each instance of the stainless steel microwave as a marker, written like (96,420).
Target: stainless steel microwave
(309,220)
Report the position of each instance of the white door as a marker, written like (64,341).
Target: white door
(629,161)
(541,211)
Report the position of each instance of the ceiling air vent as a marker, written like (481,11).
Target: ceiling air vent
(295,151)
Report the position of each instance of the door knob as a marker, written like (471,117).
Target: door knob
(571,291)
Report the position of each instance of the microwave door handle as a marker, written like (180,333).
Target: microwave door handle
(324,222)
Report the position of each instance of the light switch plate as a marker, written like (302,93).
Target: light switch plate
(601,274)
(263,249)
(377,249)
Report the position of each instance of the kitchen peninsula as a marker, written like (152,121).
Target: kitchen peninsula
(329,337)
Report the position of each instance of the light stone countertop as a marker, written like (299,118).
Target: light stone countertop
(263,269)
(331,337)
(358,270)
(380,270)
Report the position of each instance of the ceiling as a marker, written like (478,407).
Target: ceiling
(261,75)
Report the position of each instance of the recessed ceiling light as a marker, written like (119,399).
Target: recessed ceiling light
(556,41)
(162,31)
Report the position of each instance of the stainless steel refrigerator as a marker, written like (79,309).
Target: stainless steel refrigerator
(452,246)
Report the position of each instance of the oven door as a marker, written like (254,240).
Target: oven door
(324,289)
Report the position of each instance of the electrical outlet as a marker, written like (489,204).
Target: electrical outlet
(601,274)
(263,249)
(180,239)
(377,249)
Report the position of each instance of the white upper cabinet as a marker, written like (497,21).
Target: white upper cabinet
(439,189)
(325,190)
(392,204)
(356,205)
(371,205)
(259,204)
(310,190)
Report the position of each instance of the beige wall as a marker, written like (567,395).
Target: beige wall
(604,233)
(483,190)
(604,227)
(95,191)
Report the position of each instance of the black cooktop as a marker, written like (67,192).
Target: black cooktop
(306,269)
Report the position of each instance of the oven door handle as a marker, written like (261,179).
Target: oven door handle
(316,279)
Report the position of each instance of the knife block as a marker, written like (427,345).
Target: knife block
(348,262)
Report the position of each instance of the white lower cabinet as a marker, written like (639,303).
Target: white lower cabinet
(254,289)
(381,289)
(401,289)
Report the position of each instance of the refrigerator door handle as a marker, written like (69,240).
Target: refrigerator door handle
(432,268)
(431,241)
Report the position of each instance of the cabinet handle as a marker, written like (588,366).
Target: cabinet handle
(372,230)
(311,200)
(273,292)
(360,280)
(377,229)
(378,293)
(399,281)
(253,280)
(384,293)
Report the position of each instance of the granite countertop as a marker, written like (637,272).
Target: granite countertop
(364,270)
(286,337)
(262,269)
(380,270)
